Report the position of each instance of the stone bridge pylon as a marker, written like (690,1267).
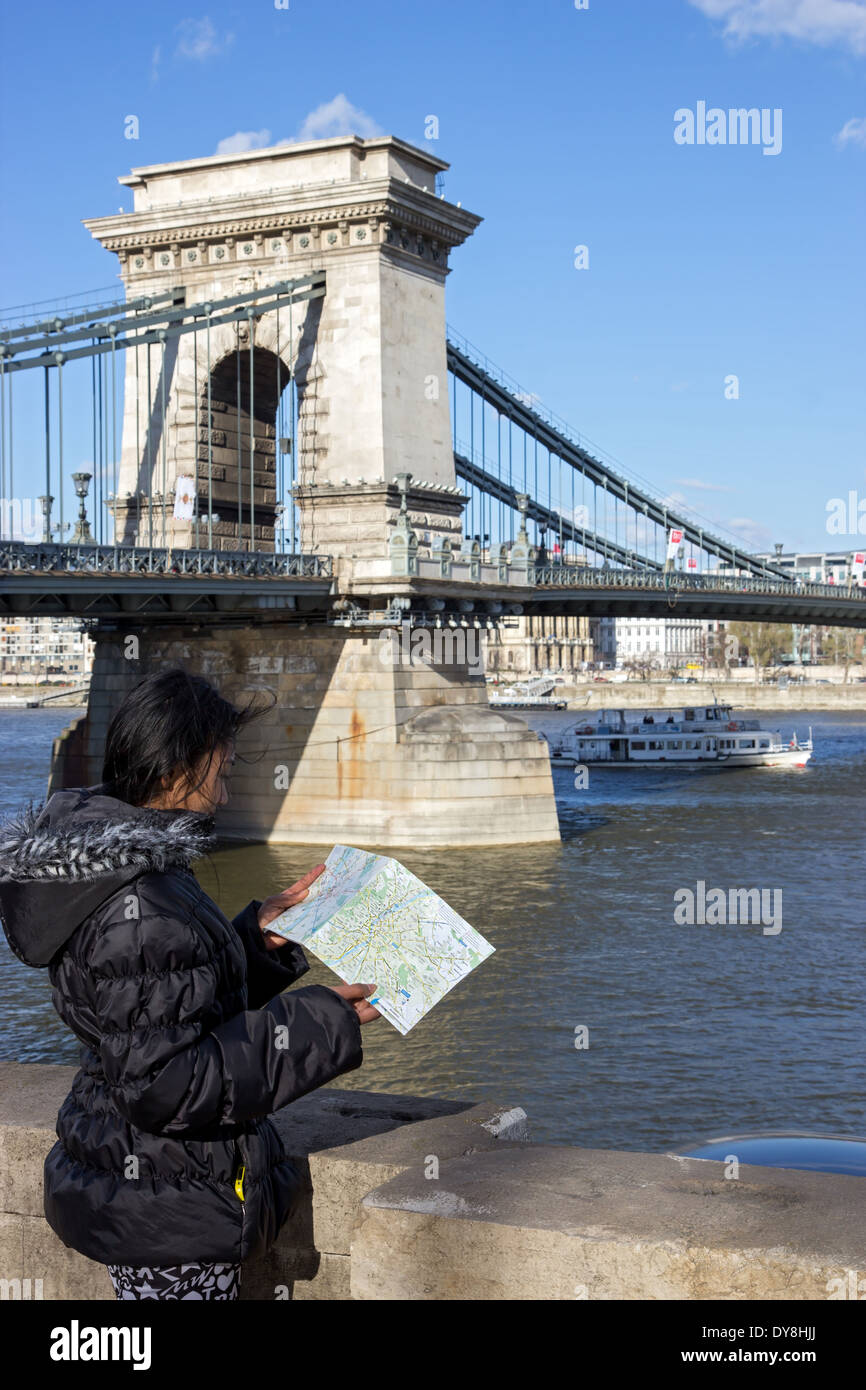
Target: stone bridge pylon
(367,359)
(366,741)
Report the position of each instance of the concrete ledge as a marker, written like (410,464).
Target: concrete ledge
(536,1222)
(344,1142)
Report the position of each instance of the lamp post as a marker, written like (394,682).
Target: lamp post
(522,499)
(46,502)
(81,535)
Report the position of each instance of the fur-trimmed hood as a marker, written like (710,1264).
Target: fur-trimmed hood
(60,861)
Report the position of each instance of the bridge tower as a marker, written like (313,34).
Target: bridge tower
(357,746)
(368,359)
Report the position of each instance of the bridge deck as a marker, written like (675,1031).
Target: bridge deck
(102,581)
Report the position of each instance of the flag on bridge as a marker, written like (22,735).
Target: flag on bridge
(184,499)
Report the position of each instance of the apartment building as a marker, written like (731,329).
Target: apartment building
(43,648)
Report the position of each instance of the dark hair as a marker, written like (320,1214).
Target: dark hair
(163,729)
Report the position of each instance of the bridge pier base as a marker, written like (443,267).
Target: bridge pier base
(357,747)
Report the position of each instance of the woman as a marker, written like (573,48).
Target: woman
(165,1167)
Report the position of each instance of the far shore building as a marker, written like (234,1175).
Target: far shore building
(52,649)
(662,644)
(815,566)
(560,642)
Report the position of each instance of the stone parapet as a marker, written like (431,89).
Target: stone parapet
(344,1143)
(544,1222)
(423,1198)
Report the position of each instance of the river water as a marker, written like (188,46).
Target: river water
(693,1031)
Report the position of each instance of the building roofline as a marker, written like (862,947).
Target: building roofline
(142,172)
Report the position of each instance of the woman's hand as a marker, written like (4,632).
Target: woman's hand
(357,997)
(278,902)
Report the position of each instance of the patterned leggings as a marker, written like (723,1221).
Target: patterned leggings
(176,1281)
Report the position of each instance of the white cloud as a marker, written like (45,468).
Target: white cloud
(853,132)
(753,534)
(337,117)
(154,64)
(332,118)
(675,502)
(244,140)
(822,22)
(702,486)
(199,40)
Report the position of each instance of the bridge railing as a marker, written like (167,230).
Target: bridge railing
(586,577)
(517,566)
(19,556)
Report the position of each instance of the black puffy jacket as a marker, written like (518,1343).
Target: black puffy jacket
(164,1154)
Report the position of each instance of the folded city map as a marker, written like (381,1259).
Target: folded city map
(369,919)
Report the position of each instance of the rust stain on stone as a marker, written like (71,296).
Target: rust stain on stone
(349,757)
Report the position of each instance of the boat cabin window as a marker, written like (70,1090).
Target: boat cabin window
(746,743)
(639,744)
(690,714)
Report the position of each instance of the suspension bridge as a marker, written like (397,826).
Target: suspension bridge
(620,535)
(271,432)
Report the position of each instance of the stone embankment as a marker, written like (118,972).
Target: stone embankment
(743,695)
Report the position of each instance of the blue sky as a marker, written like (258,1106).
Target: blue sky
(705,261)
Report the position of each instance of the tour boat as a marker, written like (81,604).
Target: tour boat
(702,736)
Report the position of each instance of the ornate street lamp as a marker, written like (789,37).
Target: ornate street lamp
(81,535)
(522,500)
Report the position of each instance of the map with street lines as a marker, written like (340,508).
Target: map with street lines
(369,919)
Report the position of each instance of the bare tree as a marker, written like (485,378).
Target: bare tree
(762,643)
(643,667)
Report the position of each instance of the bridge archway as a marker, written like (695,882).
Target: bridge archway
(243,471)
